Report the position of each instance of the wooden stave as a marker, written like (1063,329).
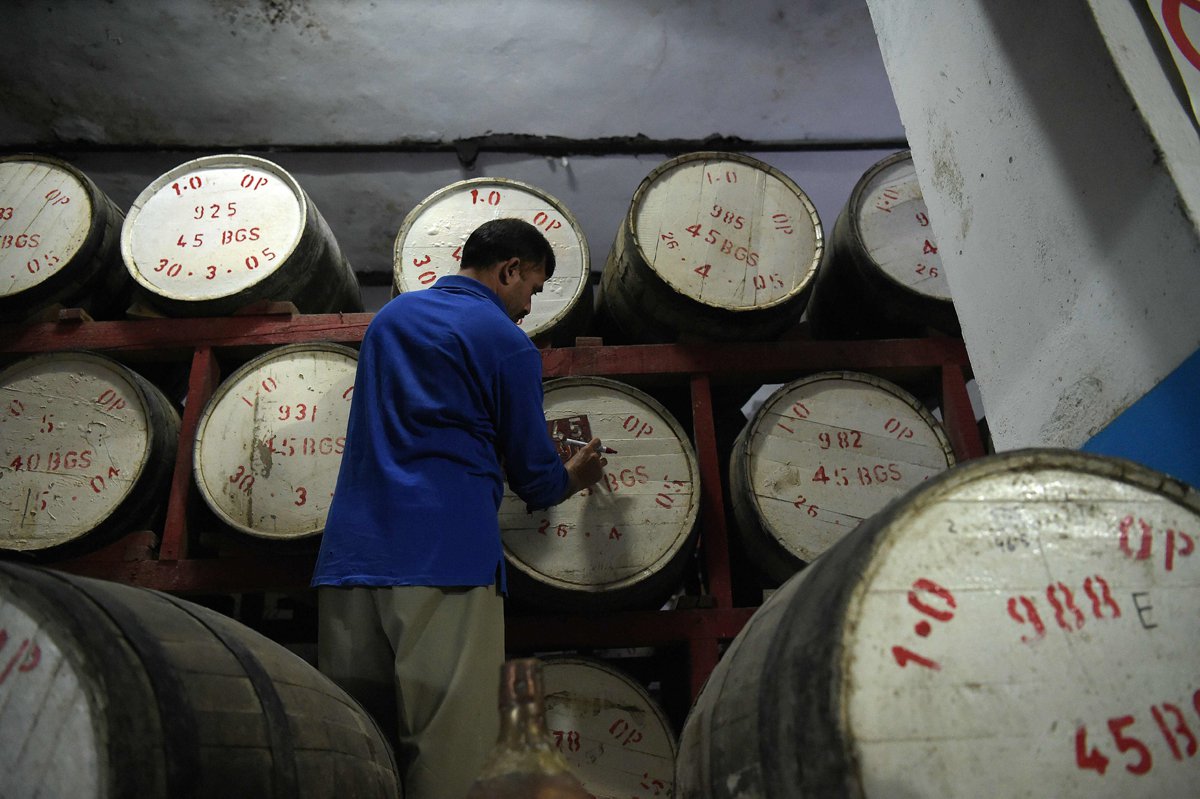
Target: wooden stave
(649,593)
(763,551)
(142,647)
(331,285)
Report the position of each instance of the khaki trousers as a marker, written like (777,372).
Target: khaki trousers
(425,662)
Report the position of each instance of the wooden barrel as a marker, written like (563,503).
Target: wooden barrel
(429,245)
(269,443)
(715,247)
(222,232)
(109,690)
(617,740)
(821,454)
(59,241)
(1024,624)
(882,275)
(88,447)
(624,542)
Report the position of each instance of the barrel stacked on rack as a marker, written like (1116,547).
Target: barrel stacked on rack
(59,238)
(882,275)
(222,232)
(625,541)
(822,454)
(270,440)
(715,247)
(87,448)
(613,733)
(429,245)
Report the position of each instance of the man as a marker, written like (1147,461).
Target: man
(447,401)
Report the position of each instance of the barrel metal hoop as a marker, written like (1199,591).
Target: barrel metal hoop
(181,739)
(283,761)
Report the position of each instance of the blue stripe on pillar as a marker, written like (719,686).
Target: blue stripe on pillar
(1162,429)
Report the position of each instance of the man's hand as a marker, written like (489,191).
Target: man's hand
(585,467)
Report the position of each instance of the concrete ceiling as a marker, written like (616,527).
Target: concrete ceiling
(227,73)
(375,105)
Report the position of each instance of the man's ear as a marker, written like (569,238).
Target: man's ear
(509,270)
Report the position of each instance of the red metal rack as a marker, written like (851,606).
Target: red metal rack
(173,560)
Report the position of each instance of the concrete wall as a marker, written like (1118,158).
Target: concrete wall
(1060,168)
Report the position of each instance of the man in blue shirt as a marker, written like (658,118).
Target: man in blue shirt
(447,402)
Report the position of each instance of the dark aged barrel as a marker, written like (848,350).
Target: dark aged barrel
(617,740)
(882,275)
(821,454)
(624,542)
(59,241)
(715,247)
(108,690)
(269,442)
(222,232)
(430,240)
(87,447)
(1022,625)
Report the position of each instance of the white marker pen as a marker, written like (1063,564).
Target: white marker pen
(578,443)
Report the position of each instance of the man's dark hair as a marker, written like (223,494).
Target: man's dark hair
(501,239)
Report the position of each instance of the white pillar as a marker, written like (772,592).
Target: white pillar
(1062,173)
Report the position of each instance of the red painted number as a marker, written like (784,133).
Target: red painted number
(1125,743)
(904,656)
(568,737)
(1085,758)
(1067,613)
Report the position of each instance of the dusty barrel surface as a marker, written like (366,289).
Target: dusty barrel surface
(59,241)
(87,447)
(429,245)
(218,233)
(625,541)
(715,247)
(821,454)
(616,738)
(269,443)
(1022,625)
(881,274)
(109,690)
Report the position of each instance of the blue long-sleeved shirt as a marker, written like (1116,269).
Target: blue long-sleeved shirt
(447,389)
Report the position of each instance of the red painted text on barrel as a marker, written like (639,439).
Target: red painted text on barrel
(25,659)
(1137,738)
(1175,543)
